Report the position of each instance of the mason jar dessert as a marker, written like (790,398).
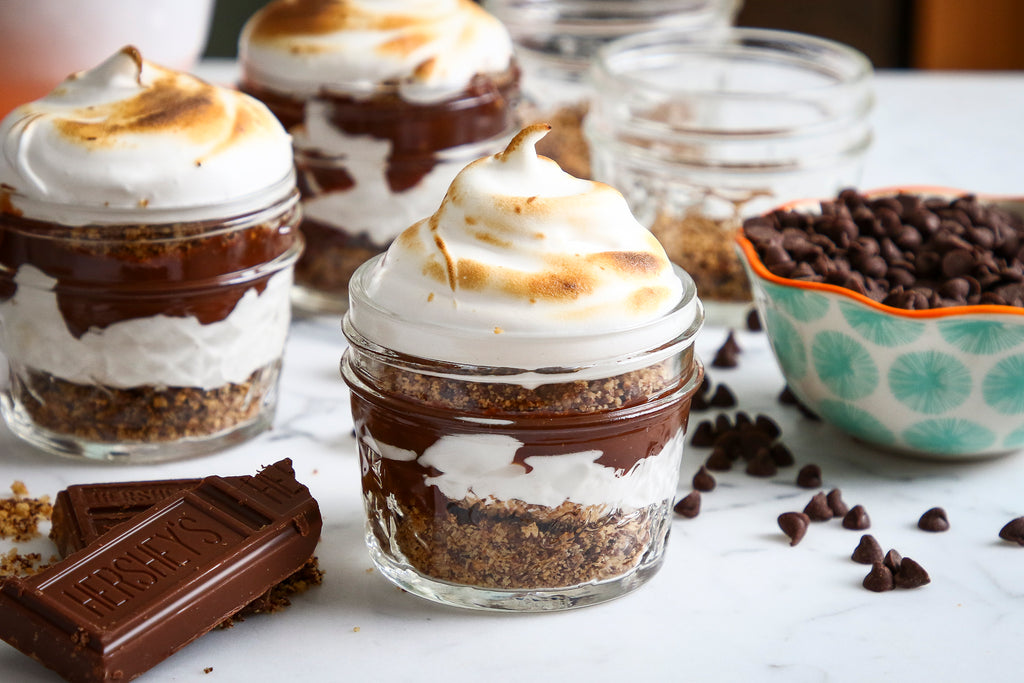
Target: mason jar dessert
(386,102)
(703,130)
(521,367)
(148,233)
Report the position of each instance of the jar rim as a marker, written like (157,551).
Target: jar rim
(608,17)
(278,197)
(787,47)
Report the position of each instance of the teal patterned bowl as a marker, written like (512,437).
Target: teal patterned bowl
(942,383)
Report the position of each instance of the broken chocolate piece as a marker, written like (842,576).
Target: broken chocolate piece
(809,477)
(857,519)
(911,575)
(794,525)
(817,509)
(879,579)
(689,505)
(143,591)
(868,551)
(934,520)
(1013,531)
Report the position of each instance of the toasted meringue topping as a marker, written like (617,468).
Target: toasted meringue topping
(518,248)
(430,49)
(133,139)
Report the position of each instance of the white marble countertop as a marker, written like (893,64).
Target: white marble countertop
(733,601)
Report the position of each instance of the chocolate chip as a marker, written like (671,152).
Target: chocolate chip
(910,575)
(754,321)
(933,520)
(857,519)
(722,398)
(868,551)
(786,396)
(762,465)
(727,354)
(893,560)
(703,480)
(767,426)
(781,455)
(722,424)
(689,505)
(719,460)
(742,421)
(794,525)
(879,579)
(1013,531)
(817,509)
(836,503)
(809,477)
(703,435)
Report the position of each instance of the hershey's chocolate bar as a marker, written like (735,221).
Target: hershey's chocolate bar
(145,589)
(84,512)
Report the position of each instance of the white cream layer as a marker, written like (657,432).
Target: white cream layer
(482,466)
(154,351)
(430,48)
(131,142)
(370,206)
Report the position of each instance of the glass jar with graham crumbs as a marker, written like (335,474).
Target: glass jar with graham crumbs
(148,235)
(556,41)
(521,366)
(702,130)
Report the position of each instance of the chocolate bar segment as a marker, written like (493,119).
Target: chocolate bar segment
(84,512)
(145,589)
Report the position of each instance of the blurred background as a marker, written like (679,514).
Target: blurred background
(918,34)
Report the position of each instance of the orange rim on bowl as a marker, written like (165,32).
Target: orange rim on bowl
(762,271)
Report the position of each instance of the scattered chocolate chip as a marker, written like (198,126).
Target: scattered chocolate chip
(727,354)
(868,551)
(809,477)
(893,560)
(703,480)
(703,435)
(722,424)
(910,575)
(794,525)
(817,509)
(1013,531)
(742,421)
(782,456)
(699,403)
(787,397)
(836,503)
(762,465)
(879,579)
(719,460)
(934,520)
(767,426)
(722,398)
(856,519)
(754,321)
(689,505)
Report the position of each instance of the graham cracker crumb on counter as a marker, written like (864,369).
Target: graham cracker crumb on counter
(20,515)
(13,563)
(355,629)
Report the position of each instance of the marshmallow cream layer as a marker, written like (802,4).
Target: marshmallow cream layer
(482,466)
(430,49)
(524,266)
(153,351)
(130,141)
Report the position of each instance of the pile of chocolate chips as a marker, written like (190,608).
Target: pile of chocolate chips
(902,250)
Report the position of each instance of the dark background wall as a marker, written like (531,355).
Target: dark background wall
(930,34)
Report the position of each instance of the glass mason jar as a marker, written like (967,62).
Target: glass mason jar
(700,131)
(521,487)
(370,164)
(556,41)
(135,342)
